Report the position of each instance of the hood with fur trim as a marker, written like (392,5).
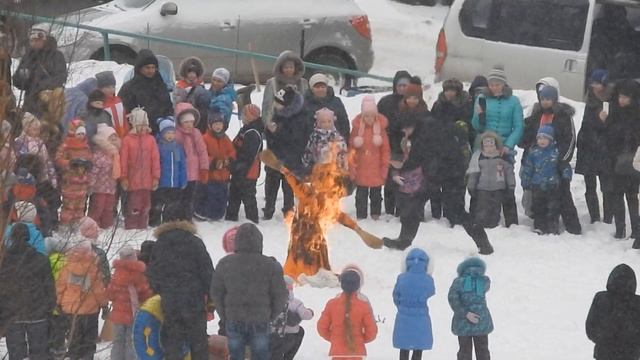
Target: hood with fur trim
(472,266)
(191,62)
(285,56)
(184,225)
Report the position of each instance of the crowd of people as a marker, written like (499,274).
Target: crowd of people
(139,158)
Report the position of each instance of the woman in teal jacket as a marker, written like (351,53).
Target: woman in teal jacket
(498,110)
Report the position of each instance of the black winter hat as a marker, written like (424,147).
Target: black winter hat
(95,95)
(285,96)
(478,83)
(105,78)
(350,281)
(248,238)
(145,57)
(145,251)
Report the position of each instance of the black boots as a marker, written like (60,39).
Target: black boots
(479,236)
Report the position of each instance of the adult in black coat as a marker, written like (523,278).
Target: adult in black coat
(27,297)
(42,67)
(180,271)
(146,89)
(389,106)
(422,150)
(623,137)
(451,111)
(591,146)
(559,115)
(320,96)
(249,292)
(287,137)
(613,323)
(245,169)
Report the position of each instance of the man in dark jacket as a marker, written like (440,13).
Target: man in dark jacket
(249,292)
(180,272)
(451,111)
(147,90)
(27,297)
(287,137)
(424,153)
(42,67)
(559,115)
(613,323)
(245,169)
(319,96)
(389,106)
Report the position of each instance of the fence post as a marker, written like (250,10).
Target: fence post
(106,50)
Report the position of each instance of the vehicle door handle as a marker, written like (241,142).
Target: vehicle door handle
(227,25)
(308,23)
(570,65)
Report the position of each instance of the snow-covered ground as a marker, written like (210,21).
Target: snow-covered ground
(542,286)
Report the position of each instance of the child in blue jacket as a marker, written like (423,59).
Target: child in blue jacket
(165,204)
(412,329)
(472,321)
(223,94)
(540,174)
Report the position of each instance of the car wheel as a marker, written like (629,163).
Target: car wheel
(120,54)
(336,79)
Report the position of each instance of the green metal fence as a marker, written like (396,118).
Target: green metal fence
(107,56)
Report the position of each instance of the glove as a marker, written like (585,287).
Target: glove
(125,184)
(105,312)
(473,318)
(204,176)
(398,180)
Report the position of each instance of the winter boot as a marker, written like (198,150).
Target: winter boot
(267,213)
(396,244)
(636,244)
(621,232)
(593,206)
(479,236)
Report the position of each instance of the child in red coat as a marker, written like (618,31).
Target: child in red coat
(369,161)
(347,320)
(211,202)
(106,82)
(74,158)
(140,170)
(127,290)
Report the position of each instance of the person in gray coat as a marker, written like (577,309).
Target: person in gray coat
(490,178)
(249,292)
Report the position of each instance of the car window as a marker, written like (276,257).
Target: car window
(542,23)
(474,17)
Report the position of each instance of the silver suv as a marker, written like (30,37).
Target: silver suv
(336,32)
(532,39)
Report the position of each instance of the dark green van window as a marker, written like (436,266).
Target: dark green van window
(556,24)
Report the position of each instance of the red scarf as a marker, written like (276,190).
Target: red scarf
(546,119)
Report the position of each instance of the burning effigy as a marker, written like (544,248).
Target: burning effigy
(318,209)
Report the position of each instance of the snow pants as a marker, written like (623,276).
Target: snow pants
(273,181)
(467,343)
(185,324)
(568,210)
(101,209)
(546,210)
(363,196)
(187,198)
(242,191)
(122,346)
(285,348)
(166,206)
(211,200)
(591,197)
(138,206)
(486,206)
(28,340)
(390,191)
(83,334)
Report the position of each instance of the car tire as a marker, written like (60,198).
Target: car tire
(337,80)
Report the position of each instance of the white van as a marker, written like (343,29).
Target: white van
(531,39)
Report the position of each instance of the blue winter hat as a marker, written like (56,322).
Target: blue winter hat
(546,131)
(548,92)
(166,124)
(24,177)
(600,76)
